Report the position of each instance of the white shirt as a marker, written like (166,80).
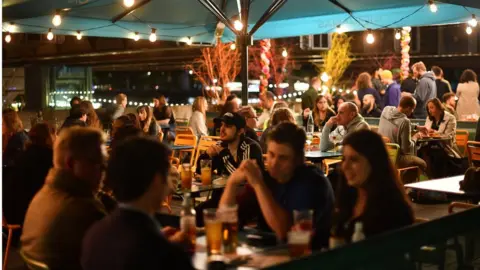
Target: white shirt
(198,125)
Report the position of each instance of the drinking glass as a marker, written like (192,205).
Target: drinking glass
(298,243)
(303,220)
(186,176)
(213,231)
(229,217)
(206,171)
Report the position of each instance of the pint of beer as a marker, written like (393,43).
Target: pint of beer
(299,243)
(186,176)
(229,217)
(213,231)
(206,171)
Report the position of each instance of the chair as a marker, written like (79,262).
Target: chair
(386,139)
(393,150)
(33,264)
(168,200)
(473,152)
(10,228)
(204,143)
(183,130)
(185,140)
(461,137)
(328,162)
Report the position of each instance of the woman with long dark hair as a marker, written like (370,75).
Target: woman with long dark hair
(365,87)
(369,191)
(92,117)
(147,122)
(321,112)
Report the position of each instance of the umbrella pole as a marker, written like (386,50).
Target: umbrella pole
(243,42)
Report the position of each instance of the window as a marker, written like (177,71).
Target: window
(315,42)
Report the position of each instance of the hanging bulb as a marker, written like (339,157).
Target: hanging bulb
(469,30)
(50,34)
(57,19)
(284,53)
(79,35)
(238,25)
(136,36)
(340,29)
(397,35)
(233,46)
(153,36)
(473,21)
(128,3)
(189,41)
(370,38)
(8,37)
(11,27)
(433,6)
(325,77)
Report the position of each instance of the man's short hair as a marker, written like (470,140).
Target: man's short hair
(437,70)
(74,99)
(447,96)
(76,112)
(77,143)
(291,135)
(351,106)
(120,98)
(231,97)
(133,165)
(419,66)
(407,102)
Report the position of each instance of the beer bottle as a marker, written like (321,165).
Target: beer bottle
(358,234)
(188,223)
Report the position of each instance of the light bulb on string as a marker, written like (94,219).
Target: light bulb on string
(233,46)
(11,27)
(153,35)
(370,38)
(50,34)
(473,21)
(79,35)
(433,6)
(238,25)
(398,35)
(189,41)
(136,36)
(469,30)
(57,19)
(8,37)
(284,53)
(339,29)
(128,3)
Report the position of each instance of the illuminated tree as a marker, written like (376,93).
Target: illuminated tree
(336,59)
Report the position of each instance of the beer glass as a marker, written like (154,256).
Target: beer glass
(213,231)
(303,220)
(206,171)
(186,176)
(229,217)
(298,243)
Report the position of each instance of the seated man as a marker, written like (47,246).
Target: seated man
(395,125)
(251,120)
(449,101)
(348,120)
(288,185)
(130,237)
(63,210)
(369,108)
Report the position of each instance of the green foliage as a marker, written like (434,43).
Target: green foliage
(336,59)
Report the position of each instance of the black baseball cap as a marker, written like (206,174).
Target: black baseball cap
(234,119)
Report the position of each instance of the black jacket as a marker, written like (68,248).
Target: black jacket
(129,239)
(375,112)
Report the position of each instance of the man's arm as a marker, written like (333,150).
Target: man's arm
(325,143)
(407,144)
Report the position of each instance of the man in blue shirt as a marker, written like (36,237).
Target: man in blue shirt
(393,92)
(287,185)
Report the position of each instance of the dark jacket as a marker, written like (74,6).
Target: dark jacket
(71,122)
(442,88)
(426,90)
(409,85)
(369,91)
(375,112)
(308,98)
(252,134)
(129,239)
(14,148)
(57,220)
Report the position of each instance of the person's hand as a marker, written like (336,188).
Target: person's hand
(237,177)
(332,121)
(417,136)
(306,112)
(252,172)
(214,150)
(169,231)
(178,238)
(422,129)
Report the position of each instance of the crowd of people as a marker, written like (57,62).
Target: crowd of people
(60,178)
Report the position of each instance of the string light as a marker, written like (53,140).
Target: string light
(128,3)
(8,37)
(11,27)
(233,46)
(473,21)
(136,36)
(189,41)
(190,72)
(284,53)
(238,25)
(433,6)
(50,34)
(57,19)
(324,77)
(153,36)
(339,29)
(469,30)
(370,38)
(79,35)
(397,34)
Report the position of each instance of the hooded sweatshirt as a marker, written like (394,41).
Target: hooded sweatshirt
(426,90)
(396,126)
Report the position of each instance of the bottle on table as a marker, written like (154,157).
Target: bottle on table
(188,223)
(358,234)
(336,240)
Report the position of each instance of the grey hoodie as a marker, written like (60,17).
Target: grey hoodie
(396,126)
(426,89)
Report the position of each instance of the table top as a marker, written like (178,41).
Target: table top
(197,187)
(315,155)
(181,147)
(433,139)
(446,185)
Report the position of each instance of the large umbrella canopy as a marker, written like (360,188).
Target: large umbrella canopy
(177,19)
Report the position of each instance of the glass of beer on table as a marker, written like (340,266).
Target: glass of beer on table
(298,243)
(206,171)
(186,176)
(303,220)
(213,231)
(229,217)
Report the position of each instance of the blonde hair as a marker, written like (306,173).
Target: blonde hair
(419,66)
(120,98)
(364,81)
(76,143)
(11,124)
(282,115)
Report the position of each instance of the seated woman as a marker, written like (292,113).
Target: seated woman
(321,113)
(369,190)
(199,118)
(279,116)
(13,137)
(147,122)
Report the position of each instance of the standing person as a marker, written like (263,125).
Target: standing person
(347,120)
(426,89)
(130,237)
(369,108)
(321,113)
(409,84)
(198,120)
(267,102)
(289,184)
(64,208)
(13,136)
(468,94)
(147,122)
(393,92)
(77,117)
(92,117)
(309,96)
(251,120)
(369,191)
(377,81)
(75,101)
(395,125)
(119,108)
(443,86)
(364,85)
(450,102)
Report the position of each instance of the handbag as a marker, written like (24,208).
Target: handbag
(471,181)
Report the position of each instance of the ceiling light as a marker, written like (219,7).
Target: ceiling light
(473,21)
(469,30)
(8,38)
(153,36)
(233,46)
(284,53)
(50,34)
(238,25)
(370,38)
(57,19)
(189,41)
(79,35)
(11,27)
(433,7)
(397,34)
(128,3)
(136,36)
(339,29)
